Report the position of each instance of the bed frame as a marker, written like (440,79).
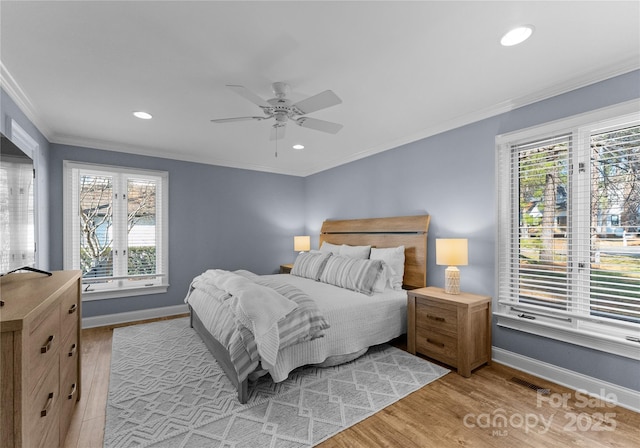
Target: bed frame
(408,231)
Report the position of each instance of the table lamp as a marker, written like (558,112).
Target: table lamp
(452,252)
(301,243)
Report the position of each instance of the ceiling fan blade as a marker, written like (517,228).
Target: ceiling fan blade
(277,132)
(320,101)
(318,125)
(229,120)
(248,94)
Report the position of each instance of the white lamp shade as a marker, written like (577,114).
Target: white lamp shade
(301,243)
(452,252)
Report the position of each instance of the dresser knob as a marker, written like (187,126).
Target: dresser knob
(73,391)
(47,405)
(46,347)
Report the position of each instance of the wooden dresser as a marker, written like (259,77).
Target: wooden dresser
(40,324)
(452,328)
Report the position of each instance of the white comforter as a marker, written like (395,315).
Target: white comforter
(259,308)
(357,321)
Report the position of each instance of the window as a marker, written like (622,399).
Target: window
(115,222)
(16,209)
(569,230)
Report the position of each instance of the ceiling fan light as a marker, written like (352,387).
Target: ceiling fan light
(517,35)
(143,115)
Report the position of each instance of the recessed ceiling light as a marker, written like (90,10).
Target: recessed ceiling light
(298,146)
(143,115)
(517,35)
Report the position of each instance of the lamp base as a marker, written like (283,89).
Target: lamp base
(452,280)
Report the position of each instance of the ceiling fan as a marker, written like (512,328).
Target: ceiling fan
(283,110)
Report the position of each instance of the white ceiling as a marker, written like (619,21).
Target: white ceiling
(404,70)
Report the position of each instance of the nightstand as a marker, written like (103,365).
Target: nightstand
(286,268)
(452,328)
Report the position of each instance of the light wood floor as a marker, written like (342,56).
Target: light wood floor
(450,412)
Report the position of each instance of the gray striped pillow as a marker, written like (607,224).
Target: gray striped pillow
(352,273)
(310,265)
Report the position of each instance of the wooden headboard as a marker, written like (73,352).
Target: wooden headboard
(408,231)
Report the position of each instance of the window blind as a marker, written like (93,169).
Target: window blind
(17,213)
(614,276)
(569,228)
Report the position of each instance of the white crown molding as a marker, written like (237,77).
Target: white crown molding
(144,151)
(580,81)
(625,397)
(15,92)
(21,99)
(492,111)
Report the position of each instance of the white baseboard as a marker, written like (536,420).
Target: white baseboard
(132,316)
(624,397)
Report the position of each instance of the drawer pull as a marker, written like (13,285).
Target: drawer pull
(46,347)
(73,308)
(436,318)
(439,344)
(73,350)
(73,391)
(47,405)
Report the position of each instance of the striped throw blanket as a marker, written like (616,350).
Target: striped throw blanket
(254,318)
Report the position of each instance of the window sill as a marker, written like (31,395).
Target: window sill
(609,344)
(119,293)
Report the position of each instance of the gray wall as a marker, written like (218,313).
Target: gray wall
(8,111)
(219,217)
(451,176)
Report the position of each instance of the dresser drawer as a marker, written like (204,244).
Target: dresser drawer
(440,346)
(69,310)
(69,388)
(69,360)
(434,315)
(42,422)
(41,348)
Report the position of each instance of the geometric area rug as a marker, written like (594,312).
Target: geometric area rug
(166,390)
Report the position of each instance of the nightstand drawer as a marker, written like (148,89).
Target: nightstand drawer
(434,315)
(438,346)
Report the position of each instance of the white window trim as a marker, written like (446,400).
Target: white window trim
(68,254)
(615,341)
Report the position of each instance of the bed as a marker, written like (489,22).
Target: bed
(341,322)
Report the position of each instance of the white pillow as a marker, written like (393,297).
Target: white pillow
(394,258)
(360,252)
(382,281)
(328,248)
